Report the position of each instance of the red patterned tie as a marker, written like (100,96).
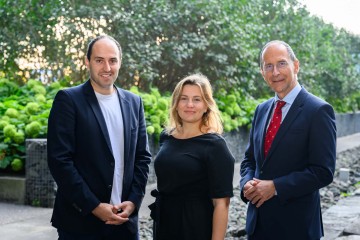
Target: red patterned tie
(273,127)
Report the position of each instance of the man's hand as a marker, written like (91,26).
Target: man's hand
(258,191)
(123,211)
(105,213)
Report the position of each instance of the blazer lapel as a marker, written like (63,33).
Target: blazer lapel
(94,104)
(125,110)
(294,111)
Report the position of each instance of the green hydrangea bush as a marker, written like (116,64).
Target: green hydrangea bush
(236,108)
(156,110)
(24,111)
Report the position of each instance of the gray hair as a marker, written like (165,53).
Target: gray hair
(287,46)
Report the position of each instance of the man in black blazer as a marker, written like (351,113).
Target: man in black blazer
(98,152)
(282,185)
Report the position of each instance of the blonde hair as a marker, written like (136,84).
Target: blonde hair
(211,118)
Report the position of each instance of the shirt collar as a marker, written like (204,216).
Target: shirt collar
(290,97)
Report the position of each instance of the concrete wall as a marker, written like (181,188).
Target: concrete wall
(12,189)
(347,123)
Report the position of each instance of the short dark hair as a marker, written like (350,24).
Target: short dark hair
(287,46)
(92,42)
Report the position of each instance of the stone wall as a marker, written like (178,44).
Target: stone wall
(40,187)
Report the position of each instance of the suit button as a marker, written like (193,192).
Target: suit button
(261,172)
(112,164)
(110,186)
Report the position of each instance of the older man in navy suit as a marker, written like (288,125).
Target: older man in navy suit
(290,155)
(98,152)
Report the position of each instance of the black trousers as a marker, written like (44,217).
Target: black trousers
(109,232)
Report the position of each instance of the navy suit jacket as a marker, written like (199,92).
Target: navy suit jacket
(300,162)
(81,161)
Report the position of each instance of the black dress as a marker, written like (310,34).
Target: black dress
(190,173)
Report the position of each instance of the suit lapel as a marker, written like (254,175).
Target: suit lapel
(94,104)
(125,110)
(263,125)
(294,111)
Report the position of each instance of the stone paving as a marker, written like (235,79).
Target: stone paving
(342,221)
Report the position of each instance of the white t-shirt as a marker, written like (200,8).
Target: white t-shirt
(110,107)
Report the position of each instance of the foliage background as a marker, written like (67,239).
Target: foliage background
(163,41)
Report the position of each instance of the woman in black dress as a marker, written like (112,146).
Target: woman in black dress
(194,168)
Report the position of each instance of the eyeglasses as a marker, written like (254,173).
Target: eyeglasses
(279,65)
